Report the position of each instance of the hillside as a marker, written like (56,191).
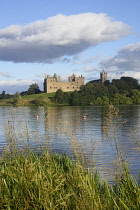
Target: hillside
(28,100)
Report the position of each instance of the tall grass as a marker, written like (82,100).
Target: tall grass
(55,182)
(51,181)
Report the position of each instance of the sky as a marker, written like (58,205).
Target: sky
(81,37)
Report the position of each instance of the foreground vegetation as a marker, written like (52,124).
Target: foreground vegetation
(55,182)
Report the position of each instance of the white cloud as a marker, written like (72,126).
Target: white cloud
(76,59)
(44,41)
(127,59)
(113,75)
(93,58)
(5,74)
(18,82)
(20,85)
(89,68)
(41,75)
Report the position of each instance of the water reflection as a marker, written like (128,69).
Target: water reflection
(64,129)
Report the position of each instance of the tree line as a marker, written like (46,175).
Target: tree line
(33,89)
(125,90)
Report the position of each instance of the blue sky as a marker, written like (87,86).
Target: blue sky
(43,37)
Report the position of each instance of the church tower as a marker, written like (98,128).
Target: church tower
(103,76)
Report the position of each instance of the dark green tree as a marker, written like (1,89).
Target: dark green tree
(66,98)
(121,85)
(74,100)
(24,93)
(107,82)
(131,82)
(34,89)
(125,84)
(95,89)
(3,95)
(58,98)
(112,89)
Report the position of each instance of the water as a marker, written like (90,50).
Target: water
(63,129)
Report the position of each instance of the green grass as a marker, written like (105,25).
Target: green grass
(44,95)
(54,182)
(25,100)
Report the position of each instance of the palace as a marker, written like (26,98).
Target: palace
(52,84)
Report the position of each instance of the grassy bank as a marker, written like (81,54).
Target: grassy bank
(55,182)
(29,100)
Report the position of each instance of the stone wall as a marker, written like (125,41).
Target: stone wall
(52,84)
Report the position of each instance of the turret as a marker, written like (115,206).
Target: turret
(103,76)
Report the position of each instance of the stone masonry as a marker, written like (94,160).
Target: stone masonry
(52,84)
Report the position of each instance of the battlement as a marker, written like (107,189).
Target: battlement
(52,84)
(103,76)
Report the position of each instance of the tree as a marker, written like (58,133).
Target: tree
(24,93)
(39,101)
(58,98)
(135,96)
(125,84)
(34,89)
(131,82)
(17,94)
(120,84)
(95,89)
(105,100)
(3,95)
(66,98)
(106,82)
(112,89)
(74,100)
(121,99)
(98,101)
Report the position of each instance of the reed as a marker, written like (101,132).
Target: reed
(31,180)
(54,182)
